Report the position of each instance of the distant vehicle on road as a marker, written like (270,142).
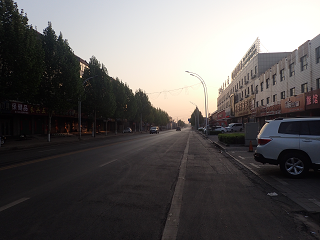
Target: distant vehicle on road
(178,129)
(154,130)
(127,130)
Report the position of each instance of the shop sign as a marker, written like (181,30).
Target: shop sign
(312,99)
(20,108)
(293,104)
(274,109)
(221,115)
(244,107)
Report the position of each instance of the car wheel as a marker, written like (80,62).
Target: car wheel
(294,165)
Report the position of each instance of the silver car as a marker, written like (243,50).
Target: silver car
(291,143)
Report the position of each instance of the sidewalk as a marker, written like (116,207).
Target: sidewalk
(303,192)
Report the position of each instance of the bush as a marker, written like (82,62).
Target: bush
(232,138)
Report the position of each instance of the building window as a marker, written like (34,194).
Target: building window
(304,63)
(304,87)
(281,75)
(261,86)
(292,92)
(251,73)
(255,70)
(274,98)
(291,69)
(261,102)
(257,104)
(257,89)
(251,88)
(317,82)
(274,80)
(267,83)
(283,95)
(317,54)
(268,100)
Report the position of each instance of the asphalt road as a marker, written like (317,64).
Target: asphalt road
(172,185)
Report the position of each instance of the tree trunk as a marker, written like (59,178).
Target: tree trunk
(49,127)
(116,128)
(106,127)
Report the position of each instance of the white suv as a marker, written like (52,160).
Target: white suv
(291,142)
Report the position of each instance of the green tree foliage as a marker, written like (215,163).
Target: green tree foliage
(120,97)
(131,104)
(143,106)
(21,55)
(181,123)
(98,94)
(60,85)
(194,115)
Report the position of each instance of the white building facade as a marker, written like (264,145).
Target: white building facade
(268,85)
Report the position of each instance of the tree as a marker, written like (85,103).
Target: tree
(98,97)
(181,123)
(143,106)
(60,86)
(21,55)
(194,118)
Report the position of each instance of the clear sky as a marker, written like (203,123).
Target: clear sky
(150,44)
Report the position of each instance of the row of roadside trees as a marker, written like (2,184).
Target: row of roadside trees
(42,69)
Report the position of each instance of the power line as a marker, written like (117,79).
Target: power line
(173,91)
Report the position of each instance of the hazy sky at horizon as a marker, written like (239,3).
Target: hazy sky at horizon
(150,44)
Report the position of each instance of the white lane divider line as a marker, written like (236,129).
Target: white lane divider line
(108,163)
(256,166)
(241,157)
(13,204)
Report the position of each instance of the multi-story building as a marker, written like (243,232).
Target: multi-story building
(267,85)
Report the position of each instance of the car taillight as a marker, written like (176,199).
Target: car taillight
(263,141)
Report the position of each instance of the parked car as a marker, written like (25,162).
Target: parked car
(234,127)
(291,143)
(219,129)
(127,130)
(154,130)
(178,129)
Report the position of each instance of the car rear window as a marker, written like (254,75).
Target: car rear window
(289,128)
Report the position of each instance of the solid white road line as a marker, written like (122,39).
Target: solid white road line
(108,163)
(13,204)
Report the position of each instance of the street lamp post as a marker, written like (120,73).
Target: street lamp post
(79,107)
(205,95)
